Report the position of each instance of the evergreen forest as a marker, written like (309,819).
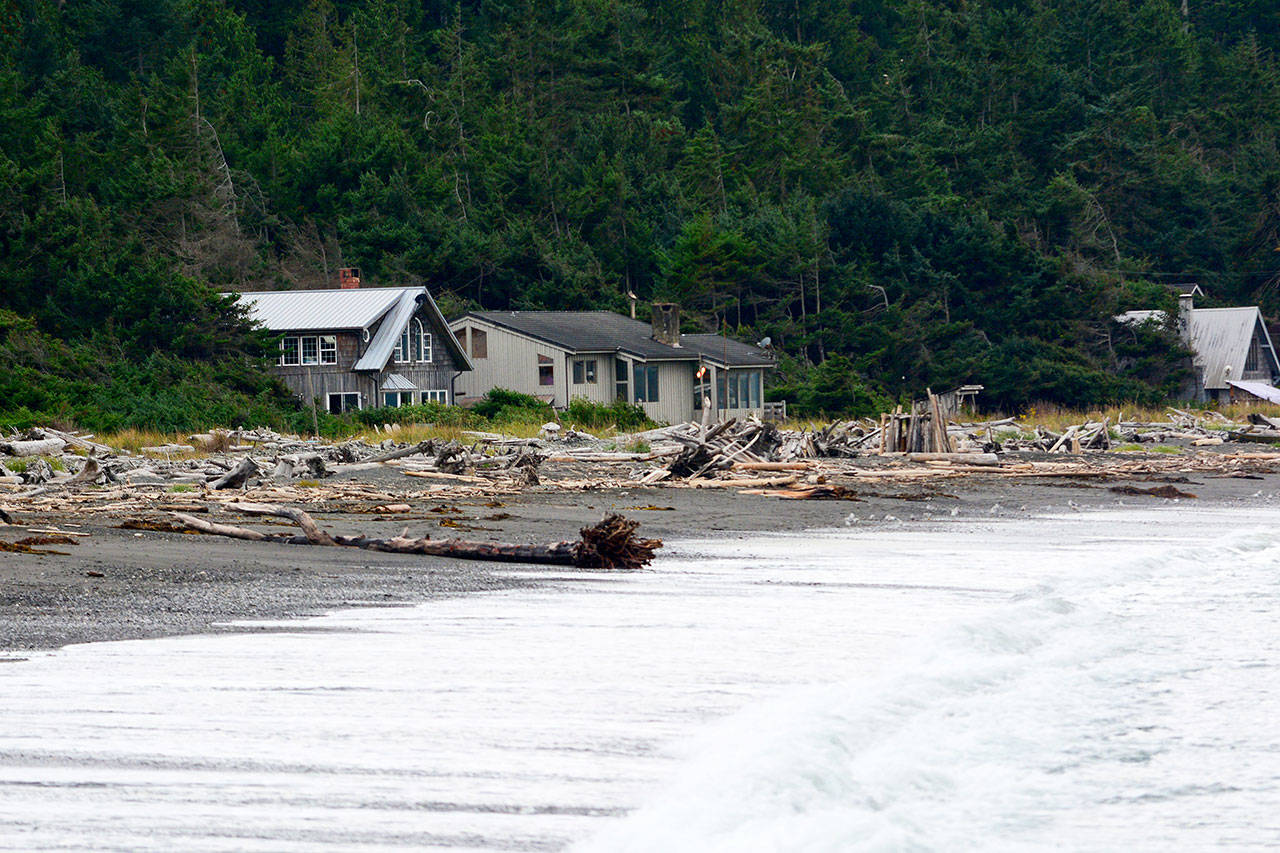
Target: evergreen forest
(900,195)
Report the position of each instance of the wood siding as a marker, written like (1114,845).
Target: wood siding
(326,379)
(512,363)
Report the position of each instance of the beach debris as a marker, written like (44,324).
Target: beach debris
(611,544)
(1171,492)
(237,476)
(40,446)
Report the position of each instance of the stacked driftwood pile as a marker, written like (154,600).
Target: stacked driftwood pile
(1199,429)
(926,441)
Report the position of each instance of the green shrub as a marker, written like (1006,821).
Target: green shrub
(619,413)
(426,413)
(503,406)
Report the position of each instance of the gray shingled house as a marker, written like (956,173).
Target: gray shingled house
(357,347)
(600,356)
(1232,352)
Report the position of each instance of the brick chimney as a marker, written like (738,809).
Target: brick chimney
(666,323)
(349,278)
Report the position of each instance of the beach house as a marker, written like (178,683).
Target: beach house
(600,356)
(356,347)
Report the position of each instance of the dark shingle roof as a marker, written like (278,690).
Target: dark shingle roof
(604,331)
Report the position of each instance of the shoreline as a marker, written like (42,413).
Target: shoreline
(117,584)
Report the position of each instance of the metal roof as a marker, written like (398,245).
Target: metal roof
(384,342)
(604,331)
(396,382)
(1137,318)
(320,310)
(1261,390)
(1220,337)
(351,308)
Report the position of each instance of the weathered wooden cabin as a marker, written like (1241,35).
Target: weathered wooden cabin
(600,356)
(1232,354)
(357,347)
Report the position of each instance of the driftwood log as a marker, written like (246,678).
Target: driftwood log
(611,544)
(35,447)
(237,476)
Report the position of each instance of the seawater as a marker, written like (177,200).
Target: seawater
(1086,681)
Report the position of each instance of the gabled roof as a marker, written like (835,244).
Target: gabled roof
(350,308)
(396,382)
(1220,337)
(1261,390)
(1188,288)
(322,310)
(384,342)
(604,331)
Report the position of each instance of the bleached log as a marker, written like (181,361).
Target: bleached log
(310,529)
(35,447)
(167,449)
(427,446)
(81,441)
(966,458)
(743,483)
(220,529)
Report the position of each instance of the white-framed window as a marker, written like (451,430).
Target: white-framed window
(584,371)
(396,399)
(347,401)
(401,353)
(328,349)
(546,371)
(310,350)
(439,395)
(414,344)
(288,351)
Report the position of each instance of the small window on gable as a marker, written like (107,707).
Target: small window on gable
(426,346)
(1254,356)
(401,354)
(479,344)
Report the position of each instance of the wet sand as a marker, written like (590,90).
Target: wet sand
(119,584)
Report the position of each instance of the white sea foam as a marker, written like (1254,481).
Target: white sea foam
(1066,681)
(1101,708)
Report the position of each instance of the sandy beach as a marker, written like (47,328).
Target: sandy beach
(116,583)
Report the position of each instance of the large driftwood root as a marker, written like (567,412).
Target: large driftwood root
(611,544)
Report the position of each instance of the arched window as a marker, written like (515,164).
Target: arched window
(415,343)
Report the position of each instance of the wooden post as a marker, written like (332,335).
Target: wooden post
(311,392)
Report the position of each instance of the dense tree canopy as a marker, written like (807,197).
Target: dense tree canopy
(901,195)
